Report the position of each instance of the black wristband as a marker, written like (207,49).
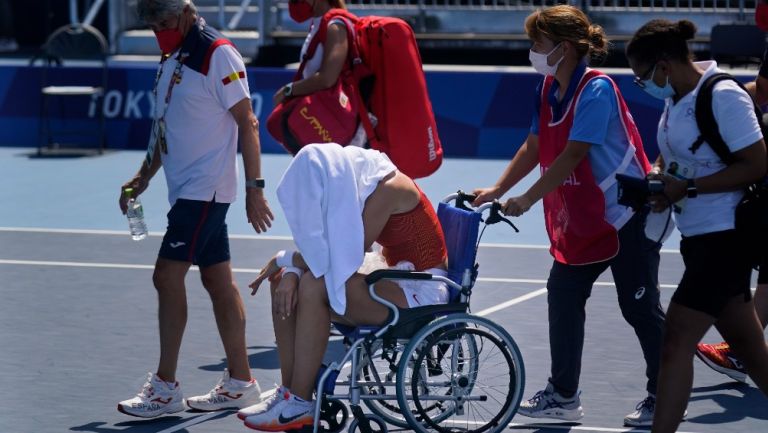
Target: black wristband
(691,190)
(254,183)
(763,72)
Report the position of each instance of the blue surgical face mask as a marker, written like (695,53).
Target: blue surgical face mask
(654,90)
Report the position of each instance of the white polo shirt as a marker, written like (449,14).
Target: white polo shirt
(677,131)
(202,134)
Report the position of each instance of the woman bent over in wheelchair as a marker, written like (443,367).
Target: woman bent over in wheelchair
(338,202)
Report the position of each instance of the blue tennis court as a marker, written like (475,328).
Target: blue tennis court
(78,326)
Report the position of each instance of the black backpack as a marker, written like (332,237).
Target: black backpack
(752,211)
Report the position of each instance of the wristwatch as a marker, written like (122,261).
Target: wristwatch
(288,89)
(691,190)
(255,183)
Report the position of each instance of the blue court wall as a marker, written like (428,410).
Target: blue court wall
(479,114)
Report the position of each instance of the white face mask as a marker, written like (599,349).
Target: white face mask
(540,64)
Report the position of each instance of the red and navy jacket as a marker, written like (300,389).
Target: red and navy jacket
(199,44)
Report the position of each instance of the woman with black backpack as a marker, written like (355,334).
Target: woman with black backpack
(715,287)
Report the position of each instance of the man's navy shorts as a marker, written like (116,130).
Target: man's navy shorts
(197,233)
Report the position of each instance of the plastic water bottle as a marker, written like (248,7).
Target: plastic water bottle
(135,216)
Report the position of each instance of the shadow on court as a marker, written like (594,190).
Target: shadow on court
(143,426)
(734,407)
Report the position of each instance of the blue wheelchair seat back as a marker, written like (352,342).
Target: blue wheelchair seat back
(460,228)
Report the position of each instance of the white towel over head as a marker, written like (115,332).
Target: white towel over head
(322,194)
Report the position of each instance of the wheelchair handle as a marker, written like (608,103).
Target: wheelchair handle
(394,274)
(461,199)
(495,215)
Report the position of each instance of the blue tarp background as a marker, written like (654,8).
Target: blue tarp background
(479,114)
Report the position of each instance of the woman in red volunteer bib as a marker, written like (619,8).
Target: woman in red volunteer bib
(581,136)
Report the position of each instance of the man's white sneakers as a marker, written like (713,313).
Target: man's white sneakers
(227,394)
(155,398)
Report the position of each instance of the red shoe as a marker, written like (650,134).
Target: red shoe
(720,358)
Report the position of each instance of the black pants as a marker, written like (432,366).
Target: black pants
(635,272)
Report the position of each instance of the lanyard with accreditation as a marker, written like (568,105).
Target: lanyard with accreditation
(157,134)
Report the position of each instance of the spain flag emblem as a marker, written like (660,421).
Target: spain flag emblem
(233,77)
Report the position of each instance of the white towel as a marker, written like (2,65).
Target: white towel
(322,194)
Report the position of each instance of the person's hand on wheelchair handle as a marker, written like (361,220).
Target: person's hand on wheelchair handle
(485,195)
(517,206)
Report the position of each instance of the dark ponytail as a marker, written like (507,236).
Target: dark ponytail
(661,39)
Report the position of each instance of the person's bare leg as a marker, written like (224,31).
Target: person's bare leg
(312,323)
(684,329)
(367,311)
(168,279)
(285,334)
(741,328)
(312,328)
(229,311)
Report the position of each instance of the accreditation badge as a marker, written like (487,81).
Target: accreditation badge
(156,138)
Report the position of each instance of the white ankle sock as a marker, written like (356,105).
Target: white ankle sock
(240,383)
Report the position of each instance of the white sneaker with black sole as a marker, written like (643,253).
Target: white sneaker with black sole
(549,404)
(155,398)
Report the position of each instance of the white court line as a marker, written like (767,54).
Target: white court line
(511,302)
(531,281)
(513,426)
(253,271)
(245,237)
(256,271)
(125,233)
(581,428)
(104,265)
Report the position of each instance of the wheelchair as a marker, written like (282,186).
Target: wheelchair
(435,368)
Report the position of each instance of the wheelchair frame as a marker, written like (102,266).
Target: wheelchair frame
(445,321)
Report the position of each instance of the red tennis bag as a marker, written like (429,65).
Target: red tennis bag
(406,130)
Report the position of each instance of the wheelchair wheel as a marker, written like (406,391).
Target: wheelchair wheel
(376,424)
(333,416)
(372,367)
(467,375)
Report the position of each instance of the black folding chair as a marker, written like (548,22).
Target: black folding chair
(72,42)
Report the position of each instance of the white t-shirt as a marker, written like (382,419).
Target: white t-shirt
(314,63)
(677,131)
(201,132)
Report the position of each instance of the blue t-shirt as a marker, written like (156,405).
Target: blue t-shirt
(596,121)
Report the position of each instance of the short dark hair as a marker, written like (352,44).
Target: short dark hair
(661,39)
